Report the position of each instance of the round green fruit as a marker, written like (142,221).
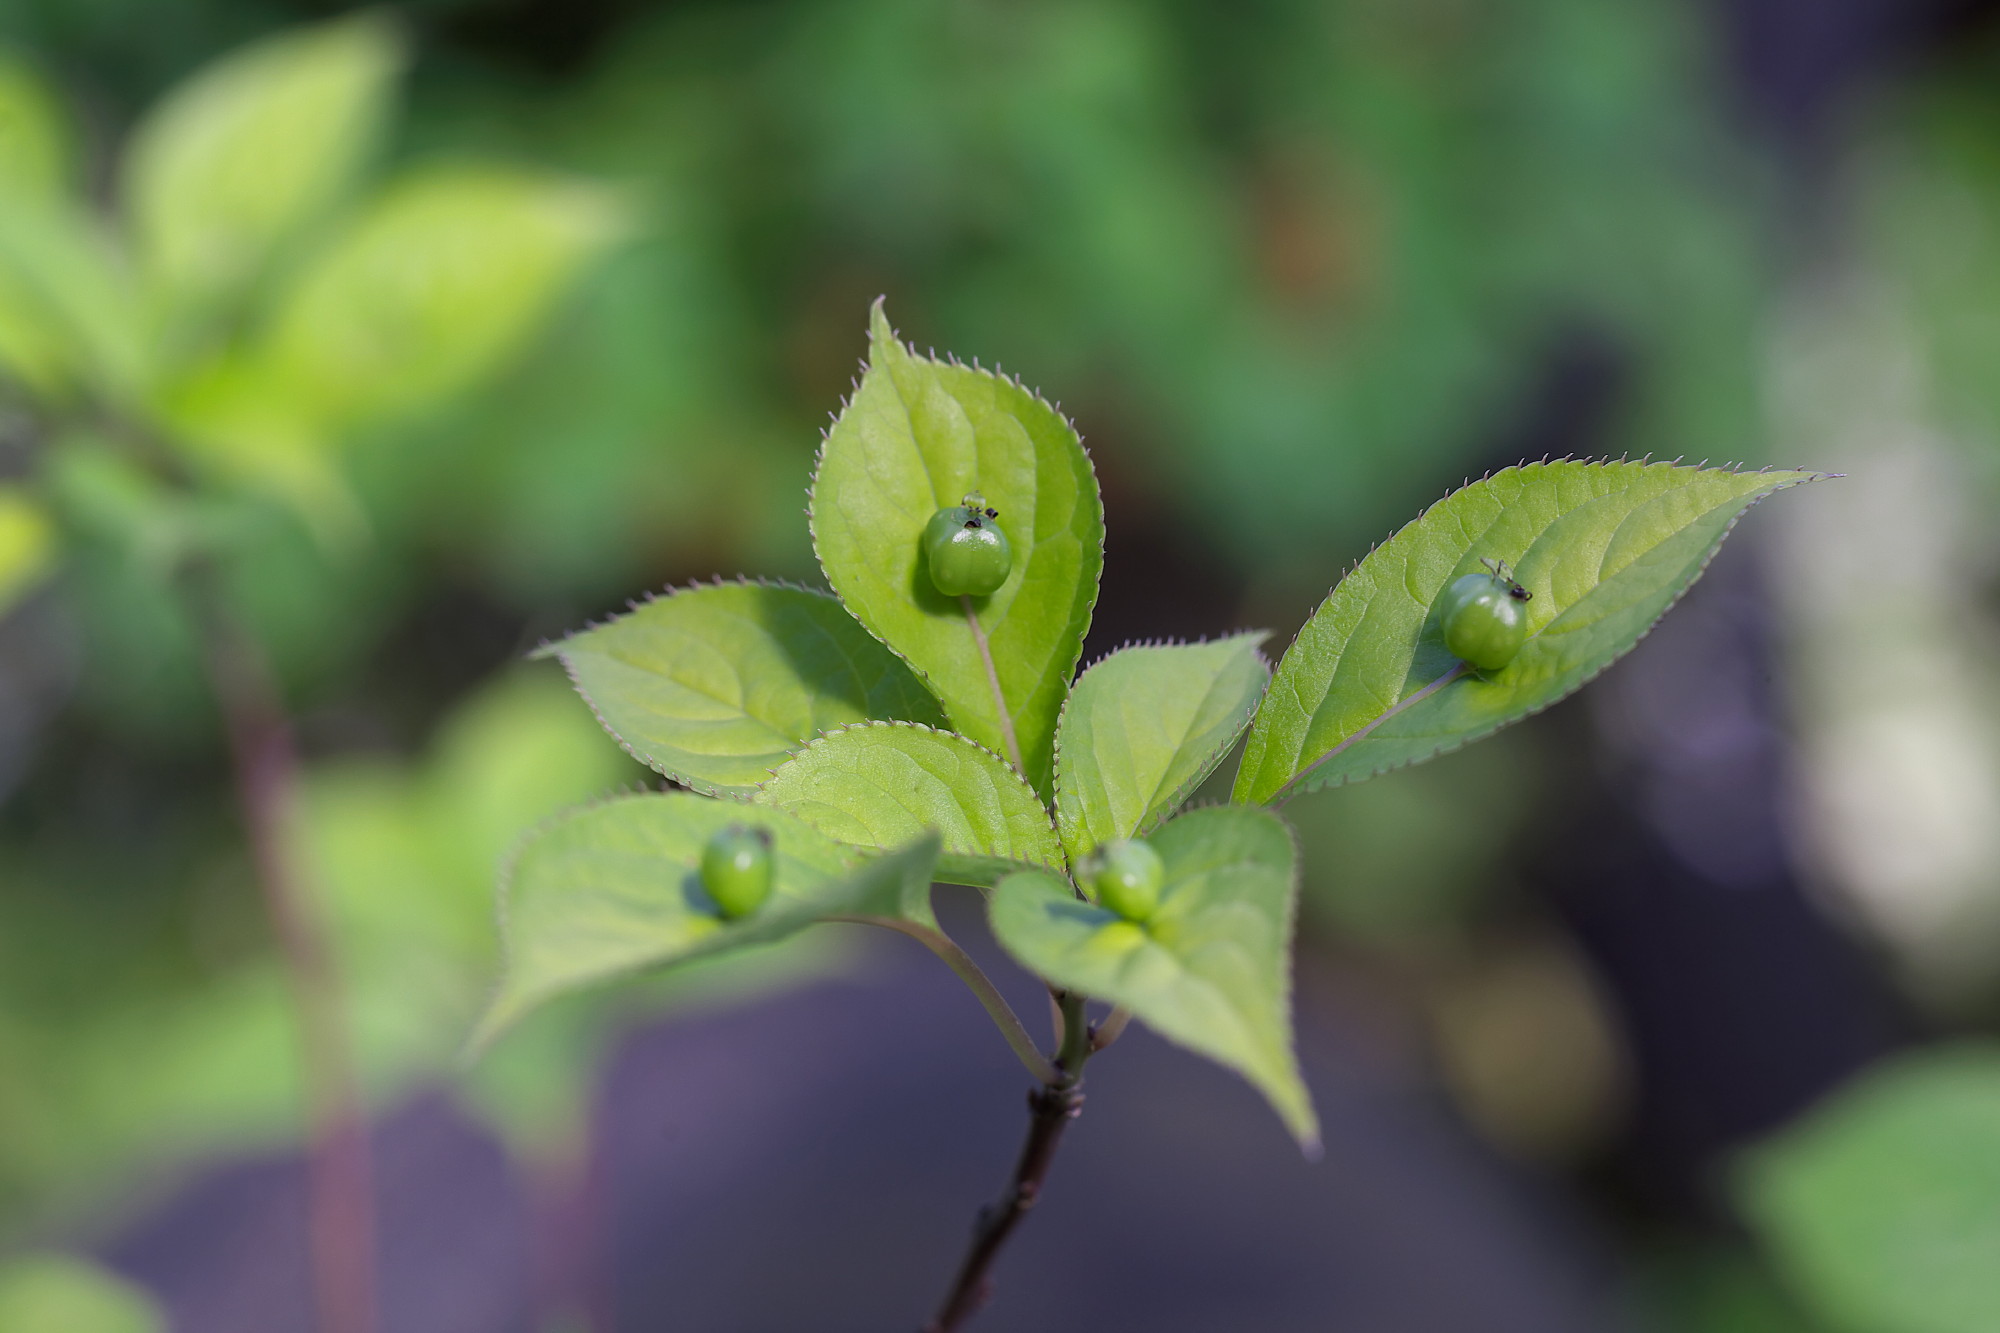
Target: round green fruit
(967,552)
(1125,875)
(1485,620)
(736,869)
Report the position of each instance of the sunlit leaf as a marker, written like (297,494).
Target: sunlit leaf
(610,890)
(49,1293)
(880,784)
(1605,549)
(1883,1204)
(917,436)
(1143,727)
(715,686)
(236,161)
(432,288)
(1211,969)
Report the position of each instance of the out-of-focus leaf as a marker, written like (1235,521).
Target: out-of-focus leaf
(34,137)
(48,1293)
(616,888)
(917,436)
(715,686)
(27,543)
(880,784)
(431,289)
(238,160)
(1883,1204)
(1143,727)
(1211,969)
(67,313)
(1604,549)
(239,426)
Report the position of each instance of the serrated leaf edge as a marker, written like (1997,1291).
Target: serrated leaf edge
(1096,491)
(879,724)
(1178,798)
(487,1029)
(554,649)
(1304,782)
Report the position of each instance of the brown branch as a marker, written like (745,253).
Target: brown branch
(340,1191)
(1050,1109)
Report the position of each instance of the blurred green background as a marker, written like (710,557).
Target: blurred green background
(524,308)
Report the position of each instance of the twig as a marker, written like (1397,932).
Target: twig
(1050,1109)
(340,1189)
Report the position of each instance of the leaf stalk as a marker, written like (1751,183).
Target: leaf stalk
(1007,735)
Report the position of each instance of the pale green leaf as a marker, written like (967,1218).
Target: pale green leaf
(51,1293)
(27,543)
(252,149)
(1605,549)
(34,138)
(880,784)
(615,888)
(917,436)
(1211,969)
(716,686)
(1143,727)
(243,431)
(1882,1206)
(433,288)
(68,317)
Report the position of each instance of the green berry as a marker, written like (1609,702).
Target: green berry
(1125,875)
(736,869)
(1485,619)
(967,553)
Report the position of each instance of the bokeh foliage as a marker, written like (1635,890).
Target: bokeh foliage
(1371,247)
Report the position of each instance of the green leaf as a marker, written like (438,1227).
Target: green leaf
(614,888)
(34,137)
(1143,727)
(59,1294)
(252,149)
(241,428)
(432,288)
(716,686)
(27,543)
(1605,549)
(1883,1205)
(67,313)
(880,784)
(917,436)
(1211,969)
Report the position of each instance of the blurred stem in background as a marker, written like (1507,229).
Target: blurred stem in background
(340,1180)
